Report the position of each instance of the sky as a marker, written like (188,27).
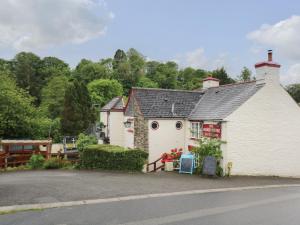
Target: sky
(202,34)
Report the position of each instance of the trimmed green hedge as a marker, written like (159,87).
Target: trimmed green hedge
(112,157)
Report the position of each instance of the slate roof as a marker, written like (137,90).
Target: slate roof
(219,102)
(115,103)
(158,103)
(214,103)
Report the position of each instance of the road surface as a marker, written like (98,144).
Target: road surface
(272,206)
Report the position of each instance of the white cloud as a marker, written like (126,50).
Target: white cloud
(198,59)
(35,24)
(292,75)
(283,36)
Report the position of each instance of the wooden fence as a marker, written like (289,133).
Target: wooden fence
(14,160)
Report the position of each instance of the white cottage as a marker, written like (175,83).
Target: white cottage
(258,120)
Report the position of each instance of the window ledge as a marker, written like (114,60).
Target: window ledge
(195,139)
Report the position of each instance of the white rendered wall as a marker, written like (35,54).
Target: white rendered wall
(263,135)
(116,128)
(165,138)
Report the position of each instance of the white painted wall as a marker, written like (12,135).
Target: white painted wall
(263,135)
(165,138)
(116,128)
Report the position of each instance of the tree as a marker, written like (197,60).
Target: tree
(147,83)
(191,79)
(294,91)
(119,58)
(18,116)
(5,65)
(222,75)
(90,71)
(52,66)
(78,113)
(26,68)
(102,91)
(245,74)
(166,75)
(53,96)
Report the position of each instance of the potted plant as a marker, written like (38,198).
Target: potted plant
(171,160)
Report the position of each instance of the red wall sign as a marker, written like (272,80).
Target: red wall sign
(212,130)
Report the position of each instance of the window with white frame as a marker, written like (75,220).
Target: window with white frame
(196,130)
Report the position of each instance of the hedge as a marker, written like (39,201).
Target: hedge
(112,157)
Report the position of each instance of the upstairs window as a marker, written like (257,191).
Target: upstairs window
(196,130)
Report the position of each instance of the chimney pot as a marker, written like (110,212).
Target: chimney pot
(270,55)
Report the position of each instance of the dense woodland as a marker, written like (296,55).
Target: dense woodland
(44,97)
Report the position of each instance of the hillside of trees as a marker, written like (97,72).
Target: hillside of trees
(44,97)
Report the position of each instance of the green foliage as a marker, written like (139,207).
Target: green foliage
(56,163)
(78,113)
(26,66)
(84,140)
(191,79)
(222,75)
(53,163)
(209,147)
(246,74)
(90,71)
(52,66)
(147,83)
(294,91)
(36,161)
(17,113)
(112,158)
(53,96)
(102,91)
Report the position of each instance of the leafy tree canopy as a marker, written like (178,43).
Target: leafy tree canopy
(78,113)
(222,75)
(246,75)
(103,90)
(53,95)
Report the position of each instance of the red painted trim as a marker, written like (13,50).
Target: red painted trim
(270,64)
(211,78)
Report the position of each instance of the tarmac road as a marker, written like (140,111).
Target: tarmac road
(271,206)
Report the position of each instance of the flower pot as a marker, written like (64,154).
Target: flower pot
(169,166)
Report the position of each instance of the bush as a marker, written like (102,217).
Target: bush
(209,147)
(36,161)
(85,140)
(55,163)
(112,157)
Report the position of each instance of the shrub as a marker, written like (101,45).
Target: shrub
(85,140)
(112,157)
(36,161)
(209,147)
(55,163)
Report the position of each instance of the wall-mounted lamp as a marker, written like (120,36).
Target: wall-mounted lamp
(127,124)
